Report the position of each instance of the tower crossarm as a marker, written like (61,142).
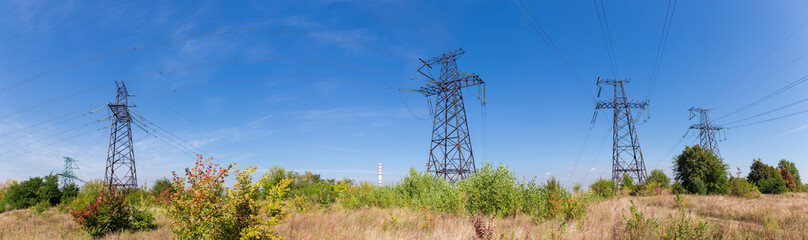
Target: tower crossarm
(464,80)
(706,127)
(620,104)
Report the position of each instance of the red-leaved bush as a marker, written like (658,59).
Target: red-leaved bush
(109,213)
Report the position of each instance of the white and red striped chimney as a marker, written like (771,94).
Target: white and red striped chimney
(380,174)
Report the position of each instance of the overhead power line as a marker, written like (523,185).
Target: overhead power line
(525,12)
(607,36)
(663,41)
(767,97)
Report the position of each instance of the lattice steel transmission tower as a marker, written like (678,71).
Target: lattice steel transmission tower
(707,130)
(121,171)
(626,153)
(450,154)
(67,175)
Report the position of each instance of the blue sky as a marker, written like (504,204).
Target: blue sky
(310,85)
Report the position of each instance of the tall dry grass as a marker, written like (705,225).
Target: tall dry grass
(767,217)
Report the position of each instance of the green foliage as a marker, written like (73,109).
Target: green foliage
(69,192)
(162,190)
(677,188)
(792,168)
(626,183)
(659,177)
(603,188)
(696,164)
(109,213)
(649,188)
(767,178)
(491,191)
(698,186)
(786,175)
(87,194)
(772,186)
(41,206)
(33,191)
(683,227)
(637,226)
(203,208)
(739,187)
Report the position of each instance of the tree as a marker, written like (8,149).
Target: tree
(659,177)
(33,191)
(792,168)
(767,178)
(694,165)
(786,175)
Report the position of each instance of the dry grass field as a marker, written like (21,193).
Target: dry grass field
(766,217)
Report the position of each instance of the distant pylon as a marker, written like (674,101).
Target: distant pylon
(450,154)
(121,171)
(707,130)
(67,175)
(626,153)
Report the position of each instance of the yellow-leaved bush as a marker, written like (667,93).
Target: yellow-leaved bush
(204,208)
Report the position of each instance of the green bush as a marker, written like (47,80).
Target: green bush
(87,194)
(767,178)
(792,168)
(772,186)
(649,188)
(491,191)
(110,213)
(739,187)
(33,191)
(69,192)
(695,165)
(698,186)
(659,177)
(603,188)
(626,183)
(637,226)
(677,188)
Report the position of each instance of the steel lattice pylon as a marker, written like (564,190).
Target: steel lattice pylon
(450,154)
(626,153)
(67,175)
(121,171)
(707,131)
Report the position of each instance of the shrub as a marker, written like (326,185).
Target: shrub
(696,163)
(772,186)
(69,192)
(659,177)
(683,227)
(637,226)
(202,207)
(767,178)
(33,191)
(491,191)
(482,227)
(698,186)
(626,183)
(603,188)
(87,194)
(739,187)
(792,168)
(649,188)
(786,175)
(677,188)
(109,213)
(162,190)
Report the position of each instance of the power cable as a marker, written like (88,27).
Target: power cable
(767,97)
(550,44)
(607,36)
(767,112)
(663,41)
